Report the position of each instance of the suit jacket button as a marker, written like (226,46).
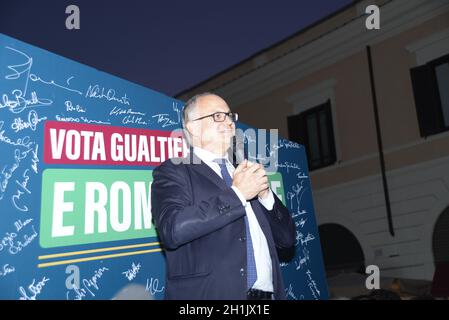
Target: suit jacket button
(242,272)
(242,239)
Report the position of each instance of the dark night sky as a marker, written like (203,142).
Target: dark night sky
(164,45)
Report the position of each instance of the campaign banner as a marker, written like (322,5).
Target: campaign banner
(77,151)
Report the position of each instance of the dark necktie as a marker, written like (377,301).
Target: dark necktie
(251,261)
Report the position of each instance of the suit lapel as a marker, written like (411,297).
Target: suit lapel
(203,169)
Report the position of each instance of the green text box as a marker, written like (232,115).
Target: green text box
(83,206)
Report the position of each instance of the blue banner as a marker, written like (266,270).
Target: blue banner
(77,149)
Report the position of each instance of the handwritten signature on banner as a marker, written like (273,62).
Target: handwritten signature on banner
(304,240)
(302,260)
(79,120)
(34,288)
(153,286)
(97,92)
(69,107)
(289,292)
(15,244)
(31,122)
(129,116)
(18,99)
(88,286)
(165,120)
(8,171)
(272,149)
(312,285)
(289,166)
(130,274)
(19,142)
(287,144)
(117,111)
(294,196)
(23,188)
(20,103)
(6,269)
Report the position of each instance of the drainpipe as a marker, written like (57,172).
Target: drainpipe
(379,144)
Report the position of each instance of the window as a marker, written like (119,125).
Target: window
(431,90)
(313,129)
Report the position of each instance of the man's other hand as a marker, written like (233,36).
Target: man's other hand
(251,180)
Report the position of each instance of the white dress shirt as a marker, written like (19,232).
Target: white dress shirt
(261,252)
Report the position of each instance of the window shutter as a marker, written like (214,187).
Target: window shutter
(296,128)
(440,241)
(330,129)
(427,101)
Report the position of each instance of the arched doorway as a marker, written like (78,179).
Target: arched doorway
(440,248)
(341,250)
(440,238)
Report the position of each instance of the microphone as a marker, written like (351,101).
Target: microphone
(238,147)
(239,151)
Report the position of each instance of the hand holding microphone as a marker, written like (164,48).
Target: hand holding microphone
(251,179)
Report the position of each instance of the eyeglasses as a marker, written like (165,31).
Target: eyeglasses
(221,116)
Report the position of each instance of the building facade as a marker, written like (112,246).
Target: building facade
(372,109)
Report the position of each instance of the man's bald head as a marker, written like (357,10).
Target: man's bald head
(190,108)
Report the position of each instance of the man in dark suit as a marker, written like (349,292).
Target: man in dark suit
(220,226)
